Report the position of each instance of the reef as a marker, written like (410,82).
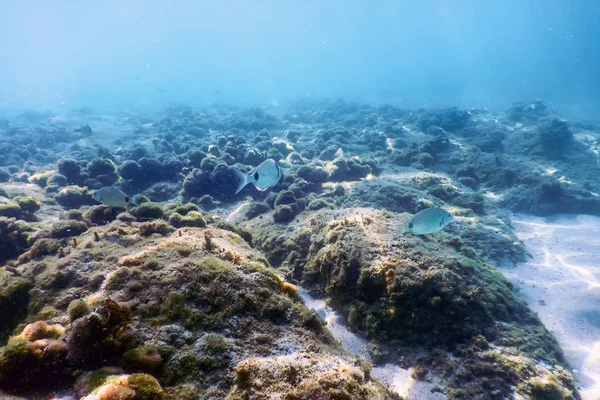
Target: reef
(191,291)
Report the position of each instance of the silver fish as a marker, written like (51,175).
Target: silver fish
(111,196)
(429,220)
(263,177)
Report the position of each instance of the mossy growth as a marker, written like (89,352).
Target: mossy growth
(77,309)
(191,219)
(141,359)
(41,248)
(215,344)
(40,179)
(160,227)
(27,204)
(14,299)
(284,214)
(228,226)
(256,208)
(68,228)
(548,388)
(148,211)
(182,209)
(146,387)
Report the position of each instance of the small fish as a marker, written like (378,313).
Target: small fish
(429,220)
(263,177)
(85,130)
(111,196)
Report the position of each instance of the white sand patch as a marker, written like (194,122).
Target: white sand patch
(396,378)
(562,284)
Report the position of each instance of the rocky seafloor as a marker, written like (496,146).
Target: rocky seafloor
(194,292)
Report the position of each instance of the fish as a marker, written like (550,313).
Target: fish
(85,130)
(111,196)
(264,176)
(429,220)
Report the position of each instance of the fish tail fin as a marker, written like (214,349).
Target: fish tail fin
(242,180)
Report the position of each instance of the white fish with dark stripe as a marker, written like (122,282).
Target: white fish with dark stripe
(429,220)
(111,196)
(264,176)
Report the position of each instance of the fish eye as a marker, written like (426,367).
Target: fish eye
(256,175)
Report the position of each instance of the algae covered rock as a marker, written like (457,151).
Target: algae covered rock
(304,376)
(14,299)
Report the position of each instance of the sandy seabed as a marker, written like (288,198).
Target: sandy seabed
(561,282)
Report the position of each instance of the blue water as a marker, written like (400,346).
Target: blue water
(412,52)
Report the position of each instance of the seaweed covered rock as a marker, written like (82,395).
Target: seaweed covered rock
(20,207)
(73,197)
(349,169)
(402,291)
(148,211)
(4,175)
(14,299)
(13,237)
(304,376)
(71,170)
(101,386)
(450,119)
(99,338)
(552,138)
(103,171)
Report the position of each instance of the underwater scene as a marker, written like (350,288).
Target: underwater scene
(299,200)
